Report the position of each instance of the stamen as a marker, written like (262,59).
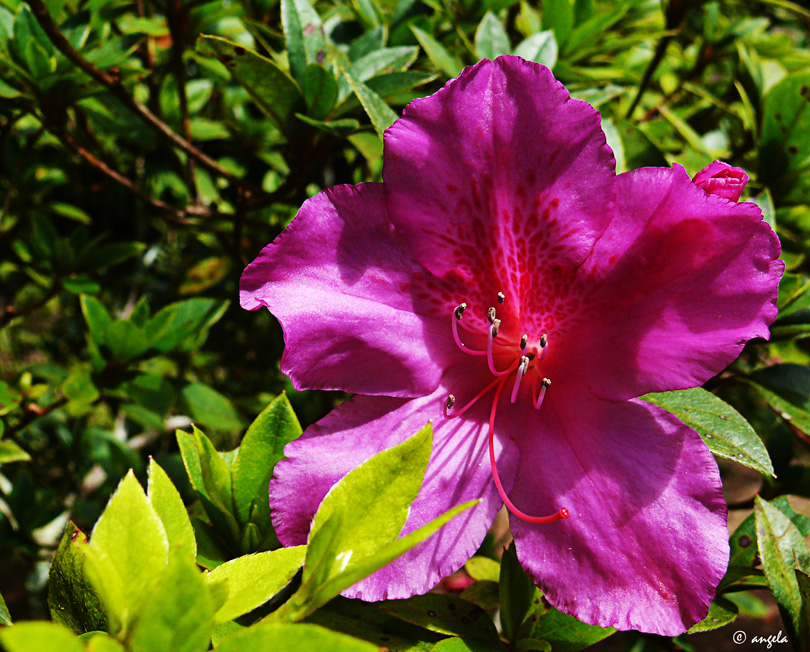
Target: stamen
(560,515)
(493,333)
(448,405)
(455,322)
(543,345)
(491,315)
(523,367)
(524,342)
(545,384)
(501,297)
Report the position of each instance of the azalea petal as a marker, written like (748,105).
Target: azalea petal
(677,285)
(342,286)
(458,471)
(647,533)
(502,184)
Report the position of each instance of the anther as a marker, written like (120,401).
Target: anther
(543,345)
(545,384)
(491,315)
(524,341)
(460,310)
(496,326)
(451,400)
(501,297)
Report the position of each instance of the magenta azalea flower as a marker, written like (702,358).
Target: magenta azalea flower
(504,283)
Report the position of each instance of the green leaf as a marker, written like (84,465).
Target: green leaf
(444,614)
(381,115)
(457,644)
(315,44)
(78,386)
(364,621)
(127,554)
(181,320)
(724,430)
(97,318)
(39,637)
(558,16)
(71,599)
(354,532)
(785,147)
(449,64)
(721,613)
(373,502)
(11,452)
(483,568)
(80,284)
(782,549)
(376,62)
(208,407)
(251,580)
(261,449)
(320,90)
(272,89)
(566,633)
(540,48)
(491,40)
(786,388)
(517,591)
(178,617)
(168,504)
(125,340)
(338,128)
(294,35)
(803,580)
(292,638)
(5,617)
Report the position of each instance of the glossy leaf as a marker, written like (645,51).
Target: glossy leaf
(168,504)
(127,554)
(721,613)
(380,114)
(178,617)
(540,48)
(72,601)
(491,40)
(517,591)
(5,617)
(270,86)
(292,638)
(566,633)
(251,580)
(782,549)
(786,387)
(261,449)
(448,63)
(11,452)
(444,614)
(724,430)
(39,637)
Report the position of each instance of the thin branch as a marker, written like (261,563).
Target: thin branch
(173,214)
(113,84)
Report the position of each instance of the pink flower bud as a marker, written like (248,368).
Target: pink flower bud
(721,179)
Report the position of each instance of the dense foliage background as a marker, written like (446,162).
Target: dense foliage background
(149,149)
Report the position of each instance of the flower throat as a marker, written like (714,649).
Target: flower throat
(525,357)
